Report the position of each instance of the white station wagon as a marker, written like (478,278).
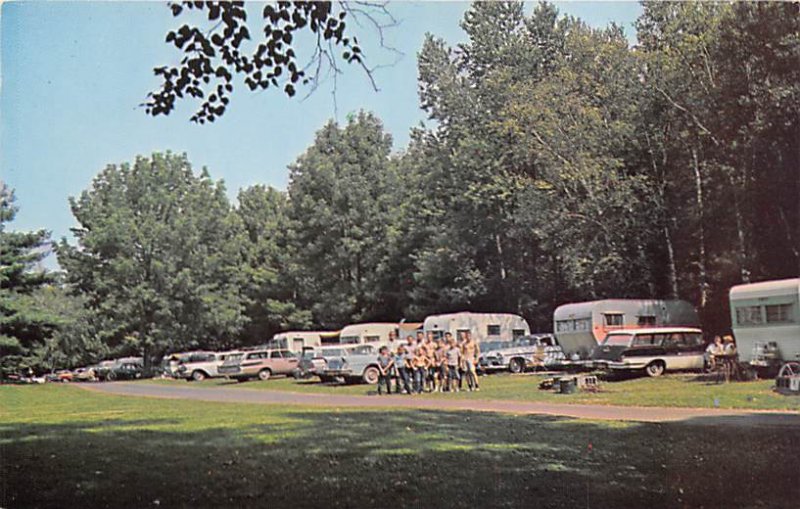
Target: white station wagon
(653,350)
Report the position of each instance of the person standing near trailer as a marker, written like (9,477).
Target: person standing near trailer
(402,362)
(385,365)
(392,343)
(471,352)
(453,357)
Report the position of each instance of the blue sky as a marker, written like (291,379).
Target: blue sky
(74,73)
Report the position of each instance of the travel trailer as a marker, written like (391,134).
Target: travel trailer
(766,321)
(482,326)
(296,340)
(579,327)
(360,333)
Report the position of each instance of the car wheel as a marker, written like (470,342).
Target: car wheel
(198,376)
(655,368)
(371,375)
(111,376)
(264,374)
(516,366)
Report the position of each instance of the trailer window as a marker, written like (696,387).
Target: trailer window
(348,340)
(613,319)
(492,330)
(779,313)
(370,339)
(647,320)
(749,315)
(517,333)
(579,325)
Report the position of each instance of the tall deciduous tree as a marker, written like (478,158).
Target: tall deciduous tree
(159,254)
(340,201)
(268,277)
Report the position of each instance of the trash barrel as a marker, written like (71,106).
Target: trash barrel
(567,386)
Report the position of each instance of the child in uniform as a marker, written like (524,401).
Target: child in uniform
(385,365)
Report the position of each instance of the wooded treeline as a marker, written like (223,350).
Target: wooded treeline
(562,164)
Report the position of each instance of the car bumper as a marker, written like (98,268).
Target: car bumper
(616,365)
(337,372)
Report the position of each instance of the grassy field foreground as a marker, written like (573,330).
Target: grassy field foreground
(669,391)
(61,446)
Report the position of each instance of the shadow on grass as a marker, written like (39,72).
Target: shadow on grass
(397,459)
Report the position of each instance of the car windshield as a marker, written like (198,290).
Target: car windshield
(617,340)
(234,357)
(488,346)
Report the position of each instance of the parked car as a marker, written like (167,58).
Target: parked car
(201,365)
(261,364)
(653,351)
(125,371)
(515,356)
(314,359)
(84,375)
(102,369)
(64,375)
(353,365)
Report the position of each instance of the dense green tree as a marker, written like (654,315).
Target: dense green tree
(24,323)
(341,194)
(158,256)
(75,339)
(720,116)
(268,273)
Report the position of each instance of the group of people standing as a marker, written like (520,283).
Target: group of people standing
(428,364)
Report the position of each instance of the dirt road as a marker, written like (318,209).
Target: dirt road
(603,412)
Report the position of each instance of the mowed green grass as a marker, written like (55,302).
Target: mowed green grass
(672,390)
(61,446)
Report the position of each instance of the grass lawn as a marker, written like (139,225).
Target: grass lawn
(670,390)
(61,446)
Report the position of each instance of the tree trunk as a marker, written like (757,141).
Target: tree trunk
(672,273)
(701,262)
(743,270)
(500,257)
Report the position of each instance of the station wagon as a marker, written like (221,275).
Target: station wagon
(653,351)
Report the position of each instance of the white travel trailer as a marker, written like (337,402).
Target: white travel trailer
(482,326)
(358,333)
(766,320)
(579,327)
(296,340)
